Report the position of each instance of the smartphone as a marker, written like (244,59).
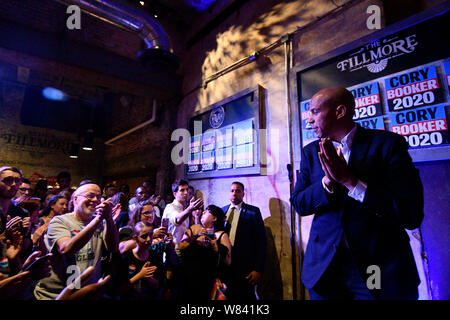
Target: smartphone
(165,222)
(38,263)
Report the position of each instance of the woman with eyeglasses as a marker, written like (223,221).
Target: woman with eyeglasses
(142,212)
(137,276)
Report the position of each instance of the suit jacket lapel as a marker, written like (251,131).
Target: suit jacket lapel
(360,146)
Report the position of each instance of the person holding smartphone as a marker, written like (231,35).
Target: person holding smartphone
(206,255)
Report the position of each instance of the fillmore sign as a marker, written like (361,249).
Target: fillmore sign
(411,46)
(33,141)
(375,56)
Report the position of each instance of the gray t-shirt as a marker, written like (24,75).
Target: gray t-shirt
(65,270)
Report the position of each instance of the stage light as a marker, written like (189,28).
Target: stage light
(89,140)
(74,150)
(54,94)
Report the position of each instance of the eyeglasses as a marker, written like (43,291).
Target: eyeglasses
(145,236)
(91,196)
(147,213)
(11,180)
(25,189)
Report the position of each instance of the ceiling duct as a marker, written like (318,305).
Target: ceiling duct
(157,47)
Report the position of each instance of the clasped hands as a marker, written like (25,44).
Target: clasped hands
(105,209)
(334,165)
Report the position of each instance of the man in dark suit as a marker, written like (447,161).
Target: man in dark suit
(245,228)
(364,190)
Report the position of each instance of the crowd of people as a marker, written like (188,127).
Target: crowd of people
(90,242)
(361,186)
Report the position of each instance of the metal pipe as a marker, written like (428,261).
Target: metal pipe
(127,17)
(153,119)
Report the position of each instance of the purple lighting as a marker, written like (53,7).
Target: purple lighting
(200,4)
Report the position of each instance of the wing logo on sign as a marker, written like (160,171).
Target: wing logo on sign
(216,117)
(377,66)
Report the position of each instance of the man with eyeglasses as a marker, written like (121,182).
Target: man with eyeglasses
(25,190)
(13,218)
(78,240)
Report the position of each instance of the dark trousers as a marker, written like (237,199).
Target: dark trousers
(240,290)
(341,281)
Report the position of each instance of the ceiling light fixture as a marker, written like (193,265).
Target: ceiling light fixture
(74,150)
(89,140)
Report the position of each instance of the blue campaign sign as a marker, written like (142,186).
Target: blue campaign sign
(447,73)
(418,115)
(367,101)
(376,123)
(412,89)
(307,134)
(422,127)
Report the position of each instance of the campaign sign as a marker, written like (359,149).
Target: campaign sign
(224,158)
(195,143)
(422,127)
(412,89)
(447,73)
(224,137)
(244,155)
(367,101)
(208,160)
(307,134)
(243,132)
(376,123)
(194,162)
(208,141)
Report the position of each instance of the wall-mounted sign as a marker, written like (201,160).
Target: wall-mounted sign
(308,135)
(447,73)
(224,158)
(244,155)
(196,143)
(209,141)
(229,137)
(208,160)
(376,123)
(422,127)
(412,89)
(398,84)
(367,101)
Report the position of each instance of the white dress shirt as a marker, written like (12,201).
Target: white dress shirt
(359,191)
(176,229)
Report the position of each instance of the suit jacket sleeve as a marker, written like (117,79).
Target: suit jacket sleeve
(401,188)
(309,196)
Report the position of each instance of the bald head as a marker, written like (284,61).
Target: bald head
(335,96)
(83,188)
(331,113)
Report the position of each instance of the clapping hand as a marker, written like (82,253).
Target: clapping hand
(13,244)
(104,209)
(147,271)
